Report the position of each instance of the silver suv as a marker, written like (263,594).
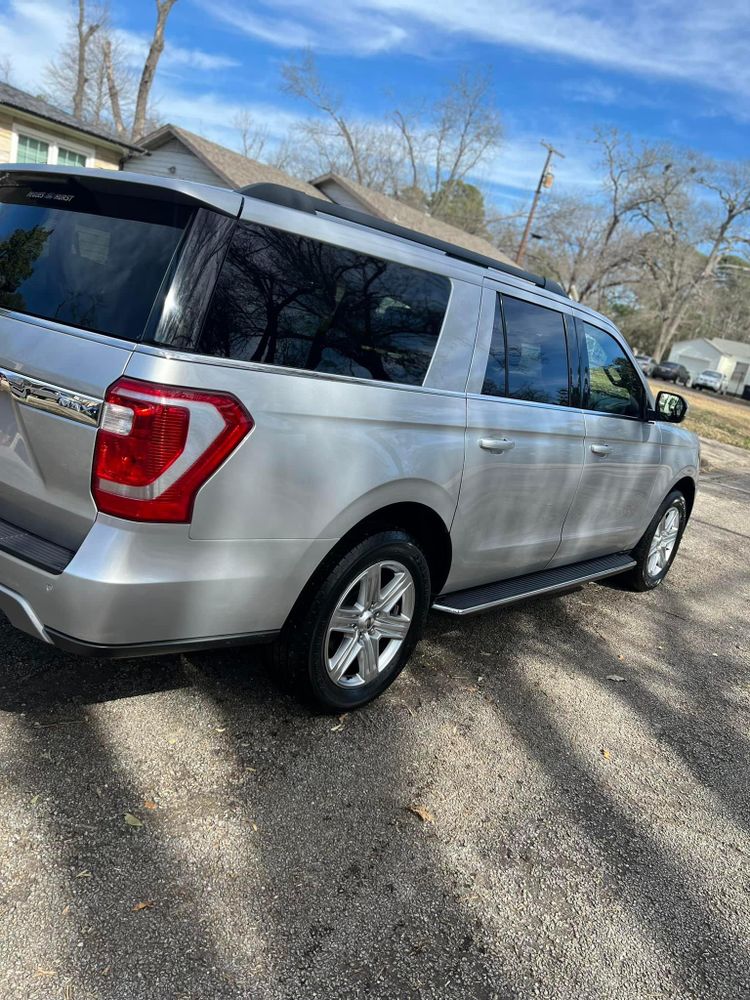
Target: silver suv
(229,417)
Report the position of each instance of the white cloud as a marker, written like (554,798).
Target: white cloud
(693,40)
(518,163)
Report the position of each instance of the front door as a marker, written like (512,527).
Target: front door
(524,442)
(614,501)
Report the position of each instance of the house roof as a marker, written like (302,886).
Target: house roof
(234,169)
(736,348)
(20,100)
(401,214)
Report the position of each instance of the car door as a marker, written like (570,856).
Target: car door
(614,501)
(524,441)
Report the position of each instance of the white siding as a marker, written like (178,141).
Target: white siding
(173,154)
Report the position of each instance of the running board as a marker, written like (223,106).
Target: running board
(493,595)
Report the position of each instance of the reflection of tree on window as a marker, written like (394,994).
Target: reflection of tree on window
(614,386)
(288,300)
(18,254)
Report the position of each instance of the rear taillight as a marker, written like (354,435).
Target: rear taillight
(158,444)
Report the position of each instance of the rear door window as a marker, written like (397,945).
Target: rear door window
(285,299)
(86,259)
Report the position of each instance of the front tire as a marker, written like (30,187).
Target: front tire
(658,547)
(355,628)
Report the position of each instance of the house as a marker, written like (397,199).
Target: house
(176,152)
(34,131)
(730,357)
(348,193)
(171,151)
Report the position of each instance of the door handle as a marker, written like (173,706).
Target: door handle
(497,444)
(601,449)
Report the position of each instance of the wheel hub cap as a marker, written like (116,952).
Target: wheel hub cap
(369,624)
(663,542)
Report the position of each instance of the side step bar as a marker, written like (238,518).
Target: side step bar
(493,595)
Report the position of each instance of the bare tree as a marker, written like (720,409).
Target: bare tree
(84,33)
(253,139)
(6,68)
(163,8)
(420,154)
(113,87)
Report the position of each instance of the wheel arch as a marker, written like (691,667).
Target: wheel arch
(687,487)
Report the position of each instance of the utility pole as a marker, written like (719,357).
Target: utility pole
(545,181)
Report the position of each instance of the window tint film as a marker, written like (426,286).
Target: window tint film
(91,260)
(614,386)
(284,299)
(494,376)
(537,354)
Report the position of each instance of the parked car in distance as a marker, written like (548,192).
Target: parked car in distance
(255,416)
(670,371)
(645,363)
(712,380)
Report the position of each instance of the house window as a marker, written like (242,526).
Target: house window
(32,150)
(30,146)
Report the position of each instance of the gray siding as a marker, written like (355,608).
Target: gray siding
(174,154)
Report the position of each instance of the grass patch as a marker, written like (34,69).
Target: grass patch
(713,417)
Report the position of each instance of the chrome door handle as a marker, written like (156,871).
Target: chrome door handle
(497,444)
(601,449)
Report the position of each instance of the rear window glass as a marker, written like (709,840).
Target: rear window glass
(284,299)
(90,260)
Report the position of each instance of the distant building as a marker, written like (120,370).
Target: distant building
(730,357)
(34,131)
(172,151)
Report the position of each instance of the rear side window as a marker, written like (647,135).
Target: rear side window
(288,300)
(86,259)
(531,360)
(614,385)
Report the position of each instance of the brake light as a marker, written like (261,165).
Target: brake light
(158,444)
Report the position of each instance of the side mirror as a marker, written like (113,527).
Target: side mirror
(670,407)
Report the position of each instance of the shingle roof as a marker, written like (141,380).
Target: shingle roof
(404,215)
(234,169)
(734,347)
(20,100)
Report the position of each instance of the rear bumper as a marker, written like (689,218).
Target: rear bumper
(135,589)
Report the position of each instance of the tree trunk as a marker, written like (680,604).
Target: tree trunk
(163,7)
(114,95)
(84,37)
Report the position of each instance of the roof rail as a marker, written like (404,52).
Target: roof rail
(289,198)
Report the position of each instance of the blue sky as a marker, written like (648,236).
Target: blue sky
(678,71)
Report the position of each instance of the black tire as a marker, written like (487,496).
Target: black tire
(298,655)
(639,577)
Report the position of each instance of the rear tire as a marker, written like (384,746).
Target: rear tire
(656,551)
(347,640)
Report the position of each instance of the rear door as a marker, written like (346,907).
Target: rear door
(81,270)
(524,441)
(622,454)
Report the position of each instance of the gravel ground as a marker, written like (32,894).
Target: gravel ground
(582,837)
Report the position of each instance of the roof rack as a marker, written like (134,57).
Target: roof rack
(289,198)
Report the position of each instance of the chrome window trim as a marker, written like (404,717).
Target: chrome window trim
(54,399)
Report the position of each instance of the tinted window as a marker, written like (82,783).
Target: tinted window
(93,261)
(494,377)
(284,299)
(614,386)
(537,354)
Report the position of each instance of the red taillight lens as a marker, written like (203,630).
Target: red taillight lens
(158,444)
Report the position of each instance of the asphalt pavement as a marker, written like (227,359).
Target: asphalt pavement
(552,801)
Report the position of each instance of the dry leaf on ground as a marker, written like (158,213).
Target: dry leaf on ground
(422,811)
(46,972)
(145,904)
(149,804)
(606,754)
(132,820)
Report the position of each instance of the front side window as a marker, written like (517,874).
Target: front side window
(284,299)
(537,352)
(614,385)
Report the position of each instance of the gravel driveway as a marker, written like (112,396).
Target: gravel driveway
(579,837)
